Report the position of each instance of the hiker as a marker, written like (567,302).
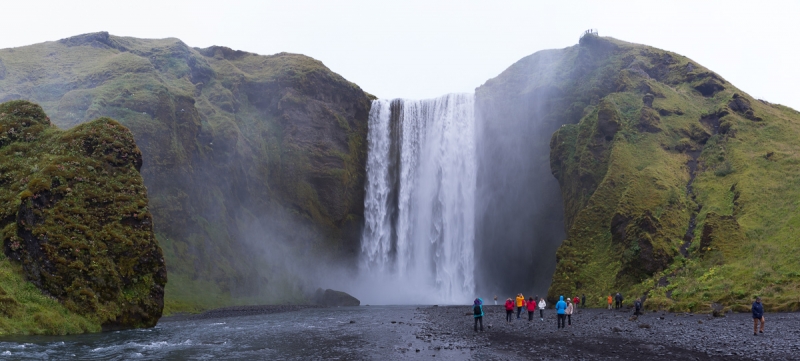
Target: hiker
(619,300)
(583,300)
(561,310)
(638,306)
(542,305)
(509,309)
(520,302)
(758,316)
(610,301)
(531,308)
(570,310)
(477,312)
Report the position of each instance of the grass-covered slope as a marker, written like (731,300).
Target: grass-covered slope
(677,186)
(79,252)
(253,163)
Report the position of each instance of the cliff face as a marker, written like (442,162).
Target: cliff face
(74,215)
(251,162)
(676,185)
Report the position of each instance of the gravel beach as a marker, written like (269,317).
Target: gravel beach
(611,334)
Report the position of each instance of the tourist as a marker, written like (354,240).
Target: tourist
(531,308)
(495,300)
(477,312)
(610,301)
(583,300)
(619,300)
(542,305)
(576,301)
(509,309)
(520,303)
(758,316)
(637,306)
(570,310)
(561,310)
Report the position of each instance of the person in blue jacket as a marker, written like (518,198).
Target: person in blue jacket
(758,316)
(477,313)
(561,310)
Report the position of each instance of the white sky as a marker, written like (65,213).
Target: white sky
(422,49)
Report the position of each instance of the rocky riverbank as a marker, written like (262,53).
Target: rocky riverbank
(603,334)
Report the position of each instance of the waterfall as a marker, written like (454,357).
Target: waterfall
(419,208)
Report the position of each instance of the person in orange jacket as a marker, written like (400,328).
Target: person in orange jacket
(610,301)
(520,303)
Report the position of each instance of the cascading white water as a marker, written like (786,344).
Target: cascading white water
(420,200)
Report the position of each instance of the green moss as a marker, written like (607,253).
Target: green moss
(79,228)
(623,174)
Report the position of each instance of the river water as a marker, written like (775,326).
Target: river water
(347,333)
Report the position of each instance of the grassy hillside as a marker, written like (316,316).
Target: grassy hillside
(79,252)
(677,186)
(253,163)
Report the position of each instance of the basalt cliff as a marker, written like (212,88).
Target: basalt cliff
(252,163)
(677,187)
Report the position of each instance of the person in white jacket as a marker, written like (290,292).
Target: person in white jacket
(542,305)
(570,309)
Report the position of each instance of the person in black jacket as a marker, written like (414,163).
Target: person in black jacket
(758,315)
(619,299)
(637,306)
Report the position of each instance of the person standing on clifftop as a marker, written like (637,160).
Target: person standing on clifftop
(561,310)
(477,312)
(542,305)
(520,303)
(509,309)
(758,316)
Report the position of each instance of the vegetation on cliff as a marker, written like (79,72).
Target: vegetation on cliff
(79,252)
(677,186)
(253,163)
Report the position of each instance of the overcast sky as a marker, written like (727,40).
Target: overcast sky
(423,49)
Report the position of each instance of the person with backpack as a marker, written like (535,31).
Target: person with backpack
(542,305)
(561,311)
(619,300)
(569,311)
(509,310)
(758,316)
(520,303)
(477,313)
(531,308)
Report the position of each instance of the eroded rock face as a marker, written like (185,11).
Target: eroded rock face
(333,298)
(75,216)
(243,155)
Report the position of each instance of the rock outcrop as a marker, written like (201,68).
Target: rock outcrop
(74,215)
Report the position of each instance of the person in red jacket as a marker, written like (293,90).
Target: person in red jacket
(576,302)
(531,308)
(509,310)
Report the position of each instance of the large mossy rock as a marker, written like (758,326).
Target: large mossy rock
(676,185)
(252,163)
(74,214)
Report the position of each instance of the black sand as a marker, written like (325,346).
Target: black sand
(603,334)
